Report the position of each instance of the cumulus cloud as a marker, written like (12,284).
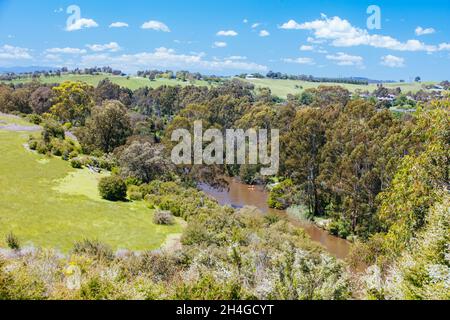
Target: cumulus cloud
(421,31)
(155,25)
(306,48)
(112,46)
(264,33)
(392,61)
(169,58)
(299,61)
(343,59)
(8,52)
(81,24)
(227,33)
(219,44)
(118,25)
(256,25)
(291,25)
(66,50)
(342,34)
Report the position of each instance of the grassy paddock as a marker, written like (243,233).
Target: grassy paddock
(282,88)
(132,83)
(47,203)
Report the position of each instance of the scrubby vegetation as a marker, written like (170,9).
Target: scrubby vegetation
(379,178)
(112,188)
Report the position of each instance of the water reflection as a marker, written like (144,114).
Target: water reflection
(240,195)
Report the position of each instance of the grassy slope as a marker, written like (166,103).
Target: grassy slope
(47,203)
(133,83)
(282,88)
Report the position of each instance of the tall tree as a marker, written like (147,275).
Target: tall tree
(73,102)
(107,128)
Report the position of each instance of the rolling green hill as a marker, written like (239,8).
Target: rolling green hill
(47,203)
(280,88)
(132,83)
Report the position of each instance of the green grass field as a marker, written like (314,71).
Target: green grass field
(282,88)
(132,83)
(47,203)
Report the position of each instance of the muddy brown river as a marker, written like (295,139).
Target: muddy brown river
(240,195)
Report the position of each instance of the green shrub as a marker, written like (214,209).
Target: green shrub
(13,241)
(32,144)
(282,196)
(112,188)
(340,228)
(35,119)
(76,163)
(132,181)
(97,288)
(52,129)
(134,194)
(73,154)
(93,249)
(42,147)
(272,218)
(163,218)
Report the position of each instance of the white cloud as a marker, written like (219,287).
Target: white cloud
(306,48)
(66,50)
(81,24)
(227,33)
(392,61)
(264,33)
(119,25)
(315,41)
(342,34)
(112,46)
(245,21)
(421,31)
(8,52)
(168,58)
(155,25)
(256,25)
(219,44)
(291,25)
(236,58)
(444,46)
(299,61)
(343,59)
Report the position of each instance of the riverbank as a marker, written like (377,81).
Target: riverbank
(239,195)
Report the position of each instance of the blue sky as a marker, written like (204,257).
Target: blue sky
(322,38)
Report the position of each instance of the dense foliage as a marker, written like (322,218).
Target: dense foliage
(378,177)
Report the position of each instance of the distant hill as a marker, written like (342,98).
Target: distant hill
(25,69)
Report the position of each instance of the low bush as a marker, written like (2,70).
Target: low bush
(76,163)
(163,218)
(93,249)
(113,188)
(35,119)
(134,194)
(12,241)
(32,144)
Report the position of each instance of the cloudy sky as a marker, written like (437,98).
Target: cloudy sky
(322,38)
